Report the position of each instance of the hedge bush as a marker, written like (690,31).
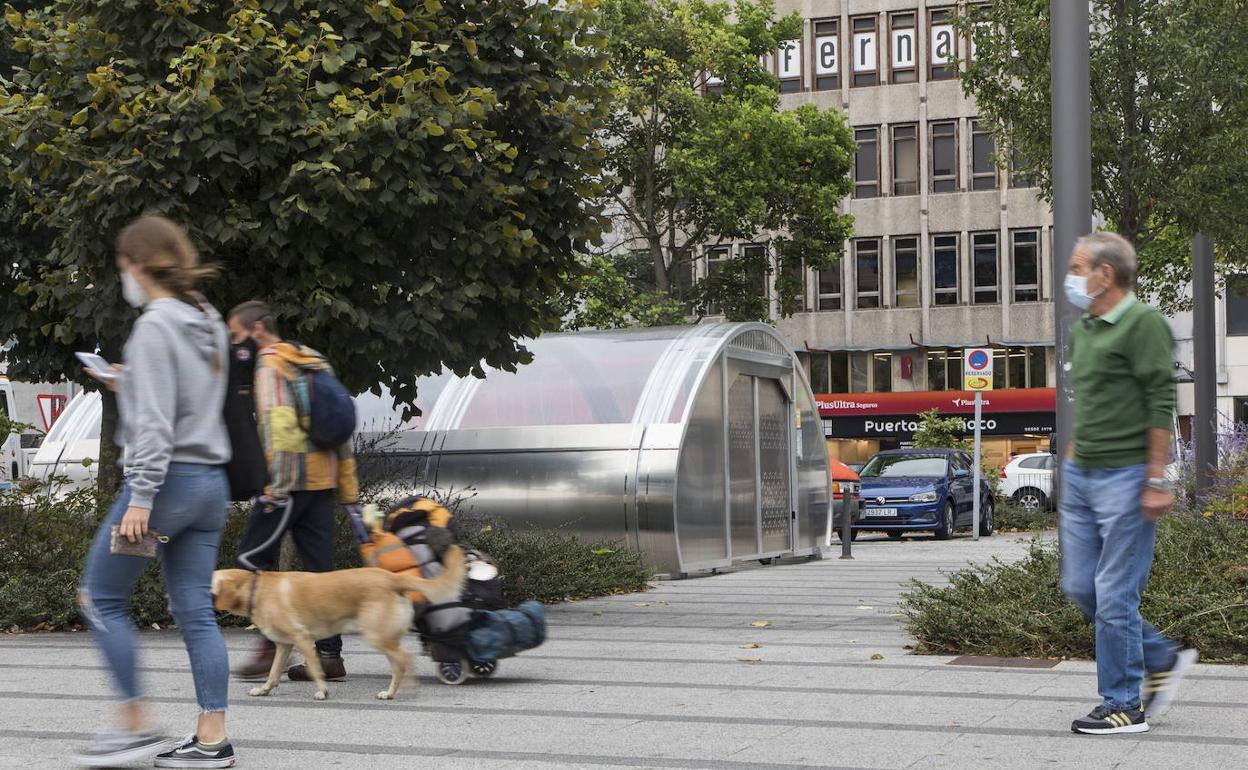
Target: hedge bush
(44,541)
(1009,516)
(1197,594)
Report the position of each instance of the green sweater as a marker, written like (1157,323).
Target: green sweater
(1122,367)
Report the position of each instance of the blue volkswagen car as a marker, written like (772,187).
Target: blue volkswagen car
(922,490)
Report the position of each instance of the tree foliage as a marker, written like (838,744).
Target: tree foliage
(686,168)
(936,432)
(404,181)
(1168,119)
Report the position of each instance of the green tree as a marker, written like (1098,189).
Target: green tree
(692,161)
(936,432)
(404,181)
(1168,119)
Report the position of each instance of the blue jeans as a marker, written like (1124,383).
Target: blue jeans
(1107,551)
(190,510)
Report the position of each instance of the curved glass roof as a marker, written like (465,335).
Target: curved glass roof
(620,376)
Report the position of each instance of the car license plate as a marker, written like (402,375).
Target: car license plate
(880,512)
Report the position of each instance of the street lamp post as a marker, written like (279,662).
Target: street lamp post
(1072,180)
(1205,361)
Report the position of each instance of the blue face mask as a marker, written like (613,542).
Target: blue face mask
(1077,291)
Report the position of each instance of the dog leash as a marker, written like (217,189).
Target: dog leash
(251,596)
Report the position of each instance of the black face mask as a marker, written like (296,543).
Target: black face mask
(243,363)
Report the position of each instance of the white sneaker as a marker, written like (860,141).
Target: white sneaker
(1161,687)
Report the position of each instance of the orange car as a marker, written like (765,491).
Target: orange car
(845,482)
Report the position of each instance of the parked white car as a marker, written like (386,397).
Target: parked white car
(1028,480)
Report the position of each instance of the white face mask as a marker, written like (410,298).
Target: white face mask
(1077,291)
(132,291)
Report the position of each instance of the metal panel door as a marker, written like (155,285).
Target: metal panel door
(774,416)
(742,468)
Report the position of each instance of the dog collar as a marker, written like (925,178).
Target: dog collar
(251,596)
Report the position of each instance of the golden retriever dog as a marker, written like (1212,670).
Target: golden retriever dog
(294,609)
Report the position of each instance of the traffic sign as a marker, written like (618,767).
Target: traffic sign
(977,369)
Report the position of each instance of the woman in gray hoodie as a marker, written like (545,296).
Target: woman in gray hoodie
(174,446)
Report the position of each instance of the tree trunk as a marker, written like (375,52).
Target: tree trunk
(108,472)
(661,281)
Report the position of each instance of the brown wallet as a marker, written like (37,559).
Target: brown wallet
(120,545)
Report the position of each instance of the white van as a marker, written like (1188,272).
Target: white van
(35,404)
(71,450)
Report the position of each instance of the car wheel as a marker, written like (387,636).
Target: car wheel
(895,535)
(986,523)
(1030,499)
(945,530)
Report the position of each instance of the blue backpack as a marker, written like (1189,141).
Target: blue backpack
(331,410)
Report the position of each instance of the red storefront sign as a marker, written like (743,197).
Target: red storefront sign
(947,401)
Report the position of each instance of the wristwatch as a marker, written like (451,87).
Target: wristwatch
(1161,485)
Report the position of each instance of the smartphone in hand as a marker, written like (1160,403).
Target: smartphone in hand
(102,370)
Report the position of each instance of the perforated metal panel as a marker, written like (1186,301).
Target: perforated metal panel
(742,467)
(773,443)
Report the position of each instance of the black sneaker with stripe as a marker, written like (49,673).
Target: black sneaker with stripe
(189,752)
(1161,687)
(1109,721)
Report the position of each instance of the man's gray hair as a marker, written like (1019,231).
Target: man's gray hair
(1105,248)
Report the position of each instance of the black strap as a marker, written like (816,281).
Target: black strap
(251,597)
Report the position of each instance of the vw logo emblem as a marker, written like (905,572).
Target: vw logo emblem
(879,500)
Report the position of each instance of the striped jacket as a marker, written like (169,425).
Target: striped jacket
(295,463)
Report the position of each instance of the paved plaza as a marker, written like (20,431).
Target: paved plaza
(666,679)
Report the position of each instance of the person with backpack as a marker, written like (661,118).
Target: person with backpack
(305,419)
(172,504)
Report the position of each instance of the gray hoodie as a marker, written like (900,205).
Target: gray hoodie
(171,394)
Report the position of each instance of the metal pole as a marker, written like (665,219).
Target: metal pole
(847,526)
(1072,181)
(979,414)
(1205,427)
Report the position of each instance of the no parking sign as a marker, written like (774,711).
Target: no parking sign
(977,372)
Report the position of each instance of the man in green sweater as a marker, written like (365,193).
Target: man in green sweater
(1114,486)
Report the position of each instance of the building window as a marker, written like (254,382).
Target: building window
(866,58)
(859,373)
(838,373)
(867,163)
(1016,369)
(817,368)
(716,259)
(906,272)
(1037,368)
(827,55)
(942,46)
(945,269)
(1018,173)
(830,288)
(1237,305)
(945,157)
(1240,411)
(881,372)
(984,263)
(903,48)
(944,369)
(1025,252)
(757,265)
(867,272)
(789,66)
(983,164)
(906,160)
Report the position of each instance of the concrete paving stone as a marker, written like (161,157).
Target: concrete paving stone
(660,686)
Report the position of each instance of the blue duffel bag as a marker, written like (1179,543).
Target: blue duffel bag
(497,634)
